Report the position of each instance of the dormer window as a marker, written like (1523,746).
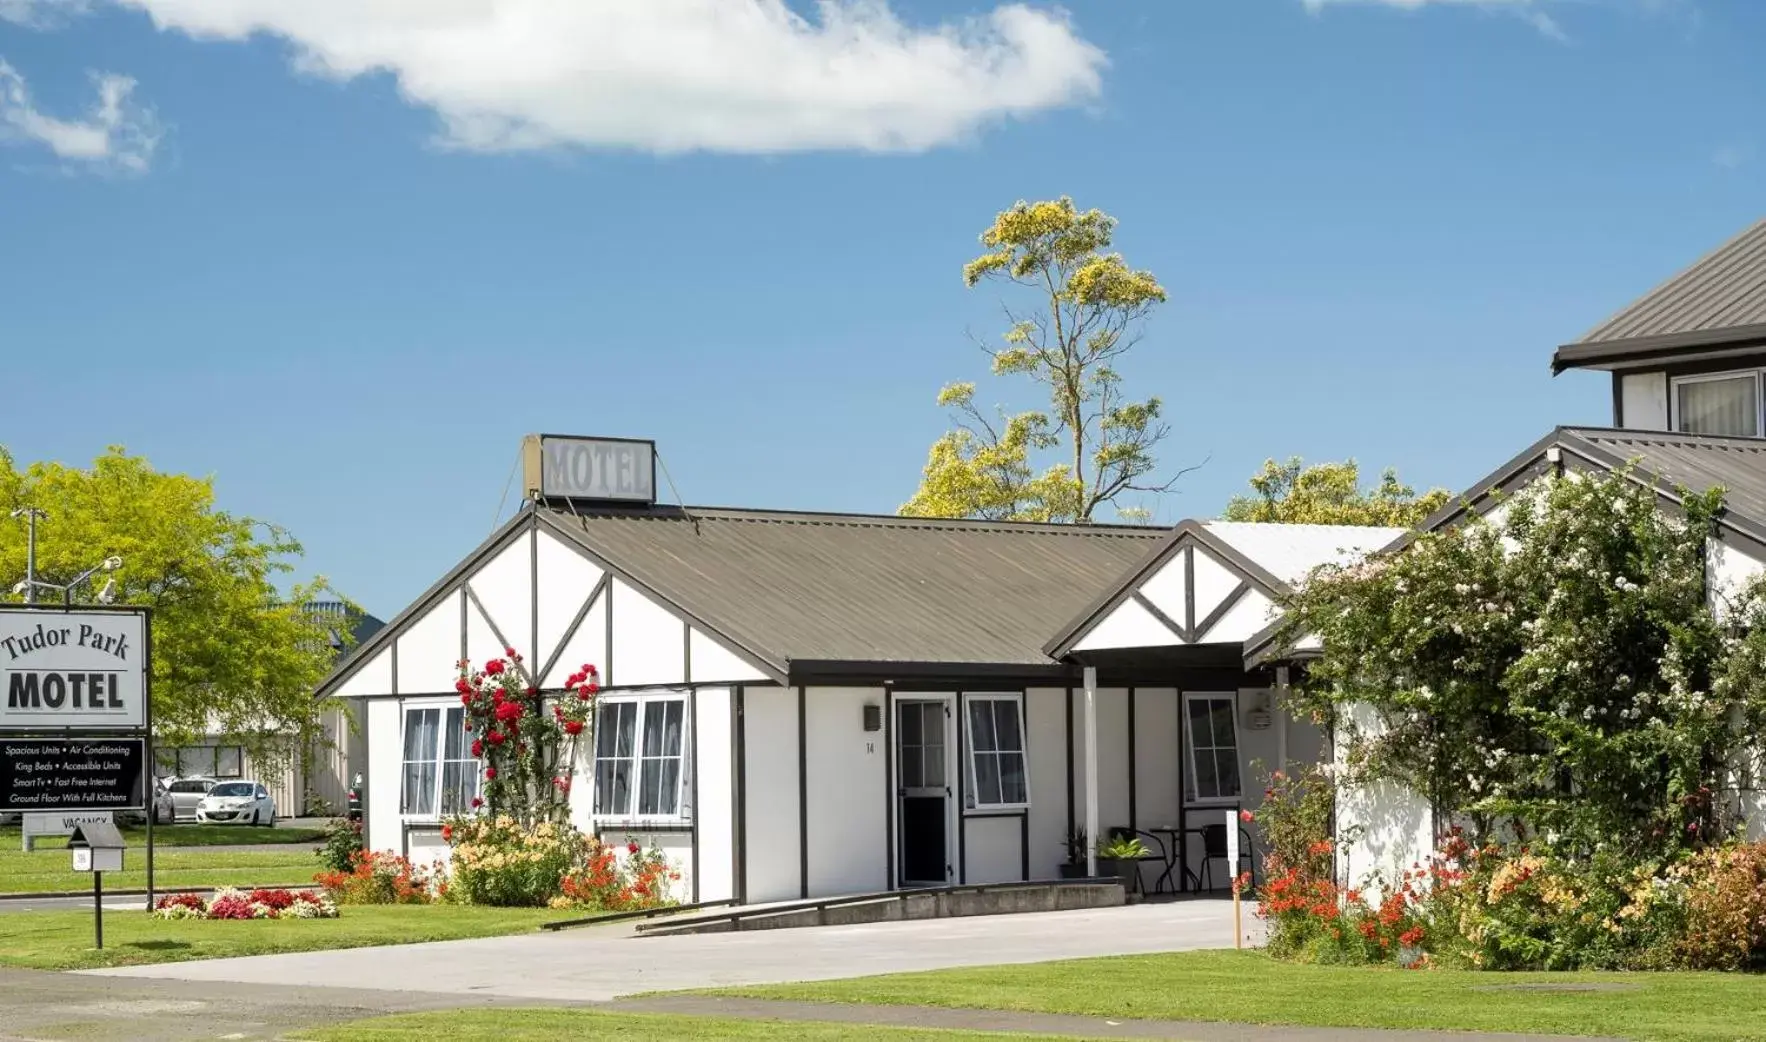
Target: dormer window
(1720,403)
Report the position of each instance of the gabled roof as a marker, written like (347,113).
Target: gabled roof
(1267,557)
(1719,302)
(1663,461)
(809,593)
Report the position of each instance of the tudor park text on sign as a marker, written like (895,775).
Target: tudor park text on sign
(72,669)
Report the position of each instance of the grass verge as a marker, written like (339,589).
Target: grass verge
(61,940)
(547,1025)
(1248,987)
(49,871)
(191,835)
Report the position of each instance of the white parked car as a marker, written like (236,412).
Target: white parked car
(236,803)
(186,793)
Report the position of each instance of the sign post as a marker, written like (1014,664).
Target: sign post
(97,849)
(1232,858)
(76,727)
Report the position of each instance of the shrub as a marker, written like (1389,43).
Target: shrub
(605,882)
(343,840)
(379,878)
(500,861)
(1721,896)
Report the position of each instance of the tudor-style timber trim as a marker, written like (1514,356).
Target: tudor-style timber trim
(387,634)
(1186,538)
(1575,453)
(532,521)
(721,632)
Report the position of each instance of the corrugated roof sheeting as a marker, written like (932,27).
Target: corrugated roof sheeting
(1289,552)
(1698,461)
(867,589)
(1724,289)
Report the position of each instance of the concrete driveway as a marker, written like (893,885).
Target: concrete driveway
(608,962)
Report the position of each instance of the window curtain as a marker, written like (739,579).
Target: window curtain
(1726,407)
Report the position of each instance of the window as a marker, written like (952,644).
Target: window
(209,761)
(997,776)
(1214,746)
(1727,404)
(640,749)
(440,773)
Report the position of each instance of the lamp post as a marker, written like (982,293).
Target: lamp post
(29,586)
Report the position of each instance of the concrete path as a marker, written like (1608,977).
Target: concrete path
(607,962)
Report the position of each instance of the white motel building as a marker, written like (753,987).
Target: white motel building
(808,705)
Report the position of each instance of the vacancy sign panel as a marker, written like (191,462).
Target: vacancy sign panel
(73,669)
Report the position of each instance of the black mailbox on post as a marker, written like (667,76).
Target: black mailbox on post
(97,847)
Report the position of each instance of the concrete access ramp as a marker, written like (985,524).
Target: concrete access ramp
(899,906)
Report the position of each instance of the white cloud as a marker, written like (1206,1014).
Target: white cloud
(677,75)
(40,14)
(114,134)
(1732,156)
(1530,11)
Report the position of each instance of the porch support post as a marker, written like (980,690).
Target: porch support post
(1091,771)
(1281,718)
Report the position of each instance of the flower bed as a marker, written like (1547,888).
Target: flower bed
(229,903)
(378,878)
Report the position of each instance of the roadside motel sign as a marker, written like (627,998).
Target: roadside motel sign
(73,670)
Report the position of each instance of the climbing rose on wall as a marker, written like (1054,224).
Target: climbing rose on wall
(528,747)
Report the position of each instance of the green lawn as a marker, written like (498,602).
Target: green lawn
(545,1025)
(184,836)
(62,940)
(47,871)
(1249,987)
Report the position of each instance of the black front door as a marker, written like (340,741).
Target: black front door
(924,792)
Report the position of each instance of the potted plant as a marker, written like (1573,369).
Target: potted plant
(1121,856)
(1074,866)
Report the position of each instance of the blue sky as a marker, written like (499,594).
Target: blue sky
(344,267)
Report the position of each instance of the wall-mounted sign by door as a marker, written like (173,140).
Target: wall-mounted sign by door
(80,669)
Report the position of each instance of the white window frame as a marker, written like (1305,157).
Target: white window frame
(1675,383)
(630,816)
(972,796)
(438,757)
(1194,796)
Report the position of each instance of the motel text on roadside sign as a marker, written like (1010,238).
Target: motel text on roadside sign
(72,670)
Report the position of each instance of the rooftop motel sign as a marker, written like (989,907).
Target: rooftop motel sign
(616,470)
(72,669)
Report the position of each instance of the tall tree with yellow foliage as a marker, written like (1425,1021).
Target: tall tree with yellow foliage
(1088,310)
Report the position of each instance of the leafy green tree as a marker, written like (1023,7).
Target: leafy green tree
(1559,672)
(1088,309)
(231,653)
(1331,494)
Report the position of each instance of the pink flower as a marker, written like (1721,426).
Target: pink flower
(1246,816)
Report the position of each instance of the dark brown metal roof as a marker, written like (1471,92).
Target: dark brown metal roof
(1699,462)
(1720,301)
(824,589)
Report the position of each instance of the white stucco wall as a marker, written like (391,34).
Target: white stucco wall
(773,870)
(1396,827)
(1643,399)
(1045,716)
(992,848)
(1112,714)
(849,799)
(649,644)
(714,812)
(381,722)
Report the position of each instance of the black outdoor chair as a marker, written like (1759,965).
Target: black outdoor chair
(1214,849)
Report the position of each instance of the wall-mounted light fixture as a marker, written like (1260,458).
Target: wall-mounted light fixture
(873,717)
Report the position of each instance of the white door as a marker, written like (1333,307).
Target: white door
(925,772)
